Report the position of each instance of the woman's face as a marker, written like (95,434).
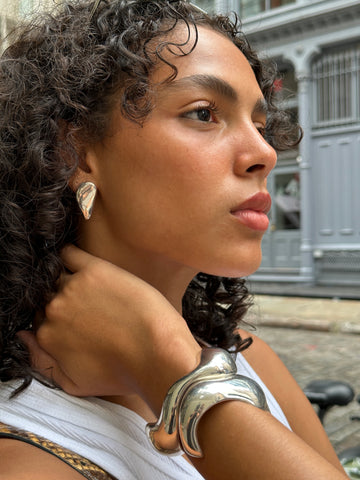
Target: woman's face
(188,188)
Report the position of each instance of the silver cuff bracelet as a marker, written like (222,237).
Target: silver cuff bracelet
(212,382)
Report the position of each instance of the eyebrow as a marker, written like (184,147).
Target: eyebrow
(261,106)
(209,82)
(217,85)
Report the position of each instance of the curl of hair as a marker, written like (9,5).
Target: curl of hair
(60,78)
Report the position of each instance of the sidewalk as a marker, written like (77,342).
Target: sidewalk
(322,314)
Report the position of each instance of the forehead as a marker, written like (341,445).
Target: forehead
(214,55)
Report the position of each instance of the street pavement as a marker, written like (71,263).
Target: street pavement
(316,339)
(322,314)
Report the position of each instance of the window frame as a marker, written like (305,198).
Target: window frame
(336,87)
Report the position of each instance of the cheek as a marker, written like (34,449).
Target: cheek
(164,184)
(180,177)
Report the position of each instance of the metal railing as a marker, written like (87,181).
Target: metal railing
(336,77)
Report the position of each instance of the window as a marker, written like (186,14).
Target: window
(253,7)
(285,85)
(336,77)
(280,3)
(286,89)
(207,5)
(287,201)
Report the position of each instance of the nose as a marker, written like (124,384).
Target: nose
(255,156)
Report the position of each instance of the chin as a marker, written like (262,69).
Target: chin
(237,269)
(244,265)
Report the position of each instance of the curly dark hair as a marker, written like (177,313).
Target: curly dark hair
(58,81)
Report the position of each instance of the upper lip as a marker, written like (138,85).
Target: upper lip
(260,202)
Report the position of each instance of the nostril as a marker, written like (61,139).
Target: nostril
(255,168)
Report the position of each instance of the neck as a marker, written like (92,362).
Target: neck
(168,277)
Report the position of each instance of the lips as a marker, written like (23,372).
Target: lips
(253,212)
(260,202)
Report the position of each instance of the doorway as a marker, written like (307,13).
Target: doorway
(281,243)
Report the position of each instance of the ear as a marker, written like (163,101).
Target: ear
(84,153)
(87,169)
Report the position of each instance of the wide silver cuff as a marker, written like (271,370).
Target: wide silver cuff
(213,381)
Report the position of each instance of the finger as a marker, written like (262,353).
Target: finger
(75,258)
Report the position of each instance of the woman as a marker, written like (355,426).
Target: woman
(158,122)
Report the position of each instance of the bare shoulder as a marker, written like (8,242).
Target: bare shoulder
(21,461)
(275,375)
(265,361)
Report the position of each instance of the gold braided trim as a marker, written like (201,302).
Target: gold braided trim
(86,468)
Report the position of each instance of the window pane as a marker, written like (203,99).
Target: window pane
(251,7)
(285,85)
(279,3)
(336,76)
(207,5)
(287,201)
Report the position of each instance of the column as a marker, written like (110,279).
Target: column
(306,248)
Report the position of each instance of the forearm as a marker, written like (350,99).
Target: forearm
(241,441)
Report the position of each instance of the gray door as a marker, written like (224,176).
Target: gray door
(281,243)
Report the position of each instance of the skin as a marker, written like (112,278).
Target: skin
(166,193)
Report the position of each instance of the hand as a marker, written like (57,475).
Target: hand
(106,332)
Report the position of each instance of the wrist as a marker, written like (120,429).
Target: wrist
(215,380)
(177,358)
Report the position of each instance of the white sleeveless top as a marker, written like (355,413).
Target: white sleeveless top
(107,434)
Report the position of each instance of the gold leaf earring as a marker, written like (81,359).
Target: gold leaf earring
(85,196)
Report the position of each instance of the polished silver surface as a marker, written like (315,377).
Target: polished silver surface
(202,396)
(213,381)
(85,196)
(214,362)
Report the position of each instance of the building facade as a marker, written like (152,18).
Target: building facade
(314,234)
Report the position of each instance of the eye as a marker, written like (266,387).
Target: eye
(262,131)
(205,114)
(260,127)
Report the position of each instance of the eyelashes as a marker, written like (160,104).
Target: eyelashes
(262,131)
(209,113)
(206,113)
